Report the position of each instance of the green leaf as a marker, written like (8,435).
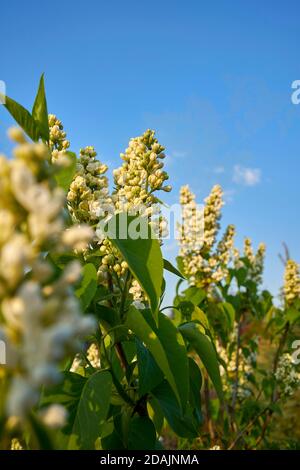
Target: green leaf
(186,309)
(195,389)
(169,267)
(206,351)
(199,315)
(180,263)
(150,374)
(229,312)
(65,174)
(112,442)
(140,327)
(184,425)
(67,394)
(141,433)
(143,255)
(241,275)
(109,316)
(292,315)
(40,437)
(156,414)
(23,117)
(87,289)
(40,112)
(175,349)
(194,295)
(91,411)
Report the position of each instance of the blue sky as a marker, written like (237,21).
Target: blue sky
(213,78)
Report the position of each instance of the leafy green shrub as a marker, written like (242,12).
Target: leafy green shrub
(91,360)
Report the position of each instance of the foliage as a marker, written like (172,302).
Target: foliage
(82,304)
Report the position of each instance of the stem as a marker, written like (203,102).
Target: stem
(125,293)
(274,393)
(117,384)
(111,288)
(207,408)
(118,346)
(277,355)
(274,398)
(237,362)
(121,356)
(247,427)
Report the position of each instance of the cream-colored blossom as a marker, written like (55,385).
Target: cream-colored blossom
(212,215)
(291,282)
(16,134)
(197,235)
(77,237)
(40,316)
(55,416)
(88,197)
(246,365)
(140,177)
(286,375)
(251,261)
(93,355)
(16,444)
(58,142)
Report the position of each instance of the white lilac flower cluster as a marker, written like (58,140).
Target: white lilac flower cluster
(254,262)
(139,178)
(141,173)
(136,181)
(16,444)
(291,282)
(287,376)
(88,196)
(40,318)
(203,266)
(58,142)
(245,366)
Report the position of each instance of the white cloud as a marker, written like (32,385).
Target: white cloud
(219,169)
(178,154)
(228,195)
(246,176)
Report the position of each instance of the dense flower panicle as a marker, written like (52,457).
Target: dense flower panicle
(140,176)
(287,376)
(225,246)
(58,142)
(16,444)
(136,183)
(93,356)
(137,293)
(254,261)
(192,227)
(291,282)
(190,234)
(245,366)
(41,319)
(141,173)
(248,250)
(258,265)
(197,235)
(88,197)
(212,215)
